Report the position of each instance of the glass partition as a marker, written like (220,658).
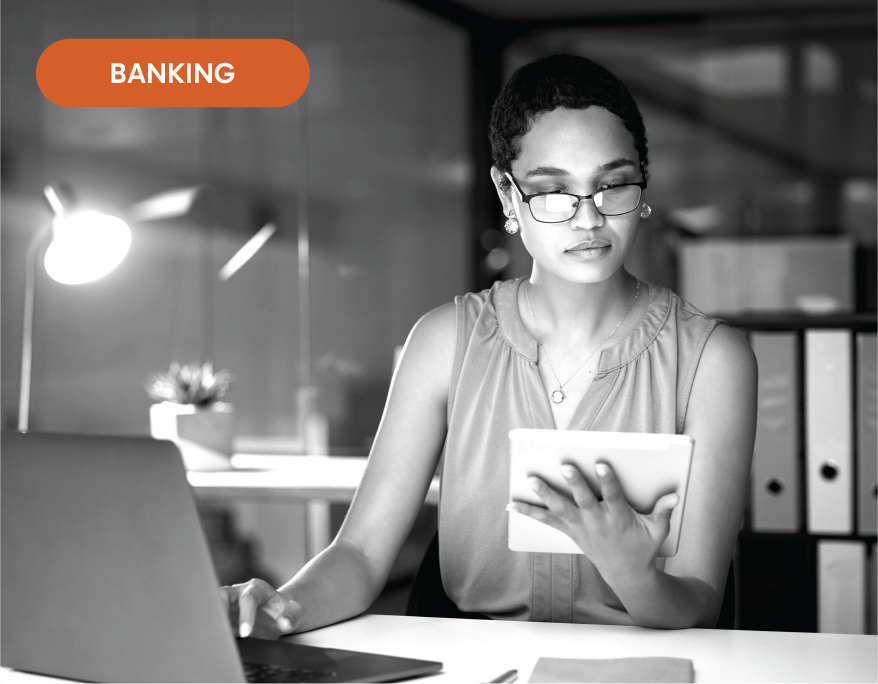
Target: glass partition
(382,186)
(757,127)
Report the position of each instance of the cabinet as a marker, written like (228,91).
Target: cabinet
(779,576)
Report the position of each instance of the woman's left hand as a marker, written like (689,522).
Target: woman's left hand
(621,542)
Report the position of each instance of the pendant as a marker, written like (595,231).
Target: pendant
(557,396)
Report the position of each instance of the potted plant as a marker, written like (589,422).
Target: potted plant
(191,414)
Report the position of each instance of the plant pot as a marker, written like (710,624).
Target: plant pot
(203,434)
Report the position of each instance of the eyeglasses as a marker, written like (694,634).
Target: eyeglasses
(557,207)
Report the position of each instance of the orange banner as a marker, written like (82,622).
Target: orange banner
(173,73)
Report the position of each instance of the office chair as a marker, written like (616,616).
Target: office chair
(428,597)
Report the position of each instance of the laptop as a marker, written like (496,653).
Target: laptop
(106,575)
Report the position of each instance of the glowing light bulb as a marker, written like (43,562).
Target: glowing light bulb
(87,246)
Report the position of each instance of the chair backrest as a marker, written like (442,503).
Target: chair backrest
(428,598)
(726,618)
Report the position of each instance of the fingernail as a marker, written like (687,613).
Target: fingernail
(284,624)
(568,471)
(601,469)
(245,629)
(511,507)
(673,502)
(534,484)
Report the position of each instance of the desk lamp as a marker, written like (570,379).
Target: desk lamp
(179,202)
(86,245)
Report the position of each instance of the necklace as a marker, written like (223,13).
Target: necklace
(558,395)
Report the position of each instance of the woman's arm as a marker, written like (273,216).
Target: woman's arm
(623,544)
(347,577)
(721,418)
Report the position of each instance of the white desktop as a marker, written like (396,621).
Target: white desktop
(480,650)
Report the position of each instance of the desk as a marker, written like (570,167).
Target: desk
(479,650)
(288,478)
(313,480)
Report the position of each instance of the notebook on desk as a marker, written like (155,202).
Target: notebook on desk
(106,575)
(581,670)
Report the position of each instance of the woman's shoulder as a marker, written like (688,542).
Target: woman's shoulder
(490,296)
(435,330)
(729,352)
(723,339)
(429,351)
(670,312)
(468,306)
(725,381)
(724,347)
(439,327)
(682,309)
(666,319)
(700,336)
(438,321)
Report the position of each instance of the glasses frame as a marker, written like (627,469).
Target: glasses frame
(527,198)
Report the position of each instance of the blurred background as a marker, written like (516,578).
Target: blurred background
(388,178)
(762,124)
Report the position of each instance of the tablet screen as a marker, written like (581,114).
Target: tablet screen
(648,466)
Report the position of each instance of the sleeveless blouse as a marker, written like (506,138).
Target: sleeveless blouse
(642,385)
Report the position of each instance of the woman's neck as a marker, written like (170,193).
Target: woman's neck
(577,312)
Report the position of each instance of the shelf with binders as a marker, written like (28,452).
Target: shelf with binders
(857,322)
(806,553)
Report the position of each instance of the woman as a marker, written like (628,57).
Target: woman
(580,344)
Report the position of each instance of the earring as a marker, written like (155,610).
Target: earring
(511,224)
(646,211)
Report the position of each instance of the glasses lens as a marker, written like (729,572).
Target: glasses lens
(614,201)
(553,208)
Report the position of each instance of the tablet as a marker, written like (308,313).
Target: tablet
(648,466)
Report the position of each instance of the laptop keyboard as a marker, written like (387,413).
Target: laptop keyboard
(259,672)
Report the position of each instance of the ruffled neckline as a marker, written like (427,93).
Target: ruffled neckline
(505,296)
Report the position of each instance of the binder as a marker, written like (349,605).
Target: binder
(841,586)
(775,486)
(867,433)
(828,431)
(872,619)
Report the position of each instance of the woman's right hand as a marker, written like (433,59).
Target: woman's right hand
(257,609)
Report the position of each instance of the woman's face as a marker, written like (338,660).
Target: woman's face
(576,151)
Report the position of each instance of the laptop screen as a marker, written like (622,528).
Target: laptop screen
(106,575)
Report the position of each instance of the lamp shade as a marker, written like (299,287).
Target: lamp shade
(87,245)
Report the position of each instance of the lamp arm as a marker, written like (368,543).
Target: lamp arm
(27,341)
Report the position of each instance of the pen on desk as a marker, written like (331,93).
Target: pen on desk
(510,676)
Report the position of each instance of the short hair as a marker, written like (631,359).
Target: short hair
(568,81)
